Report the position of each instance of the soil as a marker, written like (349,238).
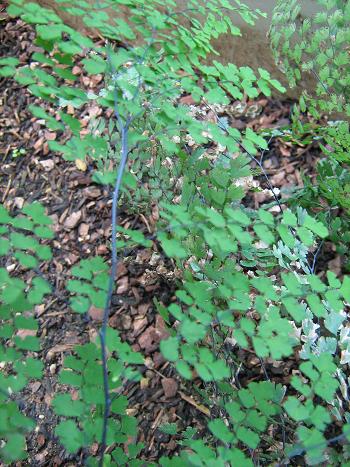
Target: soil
(80,210)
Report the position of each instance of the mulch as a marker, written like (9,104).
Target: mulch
(80,210)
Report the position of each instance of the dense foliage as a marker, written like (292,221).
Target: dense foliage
(247,277)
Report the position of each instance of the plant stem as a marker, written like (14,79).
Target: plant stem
(106,312)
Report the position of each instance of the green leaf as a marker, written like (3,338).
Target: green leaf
(345,288)
(191,331)
(256,139)
(266,217)
(23,242)
(5,218)
(5,246)
(119,405)
(70,436)
(184,369)
(168,428)
(316,284)
(264,233)
(286,235)
(315,226)
(94,65)
(64,405)
(71,378)
(170,349)
(248,437)
(296,410)
(14,448)
(172,247)
(50,32)
(305,236)
(220,430)
(80,304)
(289,218)
(30,368)
(28,343)
(26,260)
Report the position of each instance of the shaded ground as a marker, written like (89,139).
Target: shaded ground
(81,214)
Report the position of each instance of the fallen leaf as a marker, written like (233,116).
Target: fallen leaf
(102,250)
(285,150)
(41,440)
(59,349)
(158,360)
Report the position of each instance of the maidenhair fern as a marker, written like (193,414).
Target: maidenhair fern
(247,282)
(23,241)
(316,45)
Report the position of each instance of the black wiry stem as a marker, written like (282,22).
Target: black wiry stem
(103,330)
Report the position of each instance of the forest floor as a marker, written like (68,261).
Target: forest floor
(81,211)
